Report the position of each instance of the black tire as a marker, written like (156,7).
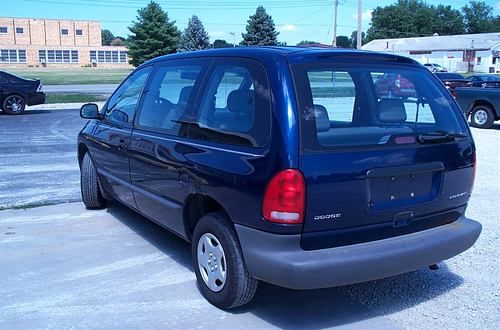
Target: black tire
(482,117)
(239,287)
(89,185)
(14,104)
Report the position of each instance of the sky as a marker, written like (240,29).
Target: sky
(296,20)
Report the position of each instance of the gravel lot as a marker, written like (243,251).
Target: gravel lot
(465,292)
(63,266)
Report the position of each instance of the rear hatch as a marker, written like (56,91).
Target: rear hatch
(378,164)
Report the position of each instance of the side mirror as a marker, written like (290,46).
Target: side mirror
(89,111)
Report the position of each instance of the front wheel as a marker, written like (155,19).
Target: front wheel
(89,184)
(218,263)
(14,104)
(482,117)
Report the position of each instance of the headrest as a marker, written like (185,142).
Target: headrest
(322,119)
(241,101)
(391,111)
(184,94)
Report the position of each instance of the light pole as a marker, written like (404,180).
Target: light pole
(234,38)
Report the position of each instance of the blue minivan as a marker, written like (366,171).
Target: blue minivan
(287,165)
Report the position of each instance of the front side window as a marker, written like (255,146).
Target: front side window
(122,104)
(235,107)
(165,104)
(359,106)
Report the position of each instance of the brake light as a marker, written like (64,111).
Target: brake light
(285,198)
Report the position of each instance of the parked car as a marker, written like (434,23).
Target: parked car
(284,165)
(394,85)
(452,80)
(433,67)
(482,105)
(17,92)
(485,80)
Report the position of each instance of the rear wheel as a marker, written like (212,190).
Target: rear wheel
(14,104)
(482,117)
(91,192)
(218,263)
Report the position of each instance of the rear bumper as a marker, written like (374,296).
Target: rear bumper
(35,98)
(279,259)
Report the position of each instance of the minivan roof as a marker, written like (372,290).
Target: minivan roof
(292,53)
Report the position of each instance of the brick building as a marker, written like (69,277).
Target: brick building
(56,43)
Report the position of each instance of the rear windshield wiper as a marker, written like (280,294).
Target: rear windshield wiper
(440,136)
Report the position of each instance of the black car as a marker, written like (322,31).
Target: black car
(16,93)
(452,80)
(485,80)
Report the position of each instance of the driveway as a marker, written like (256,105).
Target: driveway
(85,89)
(38,162)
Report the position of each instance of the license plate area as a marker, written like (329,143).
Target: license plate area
(396,187)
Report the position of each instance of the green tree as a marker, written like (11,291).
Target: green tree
(307,42)
(260,30)
(448,21)
(106,37)
(478,17)
(354,39)
(153,34)
(343,42)
(219,43)
(194,36)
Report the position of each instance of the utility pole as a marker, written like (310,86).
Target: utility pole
(234,38)
(335,5)
(359,34)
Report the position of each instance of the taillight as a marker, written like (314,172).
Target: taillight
(285,198)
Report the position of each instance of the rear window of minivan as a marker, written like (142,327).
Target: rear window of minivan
(349,106)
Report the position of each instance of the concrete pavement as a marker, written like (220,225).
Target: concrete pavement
(64,266)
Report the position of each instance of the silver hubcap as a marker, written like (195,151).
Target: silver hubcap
(480,117)
(212,262)
(14,103)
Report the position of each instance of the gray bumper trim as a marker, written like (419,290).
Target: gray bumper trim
(279,259)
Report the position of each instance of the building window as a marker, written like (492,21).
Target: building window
(108,56)
(3,29)
(64,32)
(19,30)
(57,56)
(12,55)
(79,32)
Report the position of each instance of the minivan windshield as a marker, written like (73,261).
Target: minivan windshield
(372,105)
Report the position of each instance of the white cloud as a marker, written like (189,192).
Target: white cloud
(365,16)
(497,6)
(217,34)
(287,28)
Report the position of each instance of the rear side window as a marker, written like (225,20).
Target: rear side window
(235,107)
(122,104)
(165,102)
(360,106)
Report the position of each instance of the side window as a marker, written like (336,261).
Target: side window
(235,107)
(164,105)
(334,92)
(121,106)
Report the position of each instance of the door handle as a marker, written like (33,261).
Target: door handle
(122,144)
